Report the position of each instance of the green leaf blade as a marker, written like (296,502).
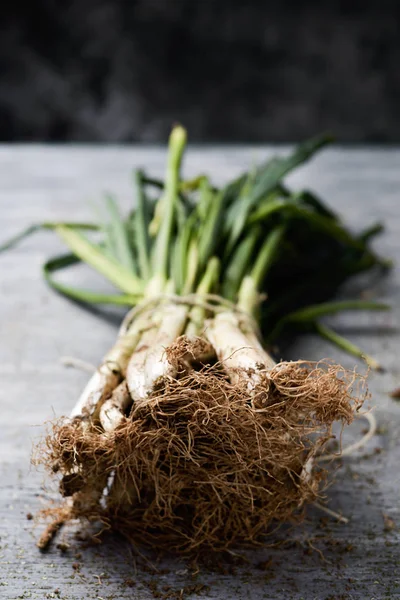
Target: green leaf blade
(269,176)
(316,311)
(121,277)
(141,227)
(81,295)
(14,240)
(119,237)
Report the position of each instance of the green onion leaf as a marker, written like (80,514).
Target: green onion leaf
(239,264)
(311,200)
(267,255)
(344,344)
(265,180)
(310,313)
(121,277)
(81,295)
(163,220)
(13,241)
(181,252)
(210,210)
(118,236)
(371,232)
(141,224)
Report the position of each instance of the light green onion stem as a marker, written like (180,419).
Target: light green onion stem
(119,237)
(140,227)
(344,344)
(311,313)
(208,281)
(10,243)
(81,295)
(168,202)
(239,263)
(249,294)
(120,276)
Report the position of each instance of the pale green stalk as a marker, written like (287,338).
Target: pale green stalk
(118,236)
(121,277)
(197,313)
(141,236)
(167,205)
(192,267)
(239,264)
(334,338)
(249,292)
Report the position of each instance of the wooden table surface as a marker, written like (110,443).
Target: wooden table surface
(38,327)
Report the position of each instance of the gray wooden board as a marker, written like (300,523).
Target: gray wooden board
(38,327)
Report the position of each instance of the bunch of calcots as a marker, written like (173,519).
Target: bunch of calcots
(189,435)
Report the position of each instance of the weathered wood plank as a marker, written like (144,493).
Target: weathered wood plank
(38,327)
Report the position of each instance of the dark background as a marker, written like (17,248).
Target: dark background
(109,70)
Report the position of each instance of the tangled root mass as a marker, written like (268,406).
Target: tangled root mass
(202,465)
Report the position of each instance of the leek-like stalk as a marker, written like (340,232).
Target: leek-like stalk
(149,364)
(124,279)
(108,375)
(240,352)
(165,208)
(113,410)
(197,313)
(341,342)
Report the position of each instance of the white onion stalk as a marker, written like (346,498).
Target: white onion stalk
(240,352)
(239,349)
(232,334)
(149,364)
(113,410)
(93,402)
(108,375)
